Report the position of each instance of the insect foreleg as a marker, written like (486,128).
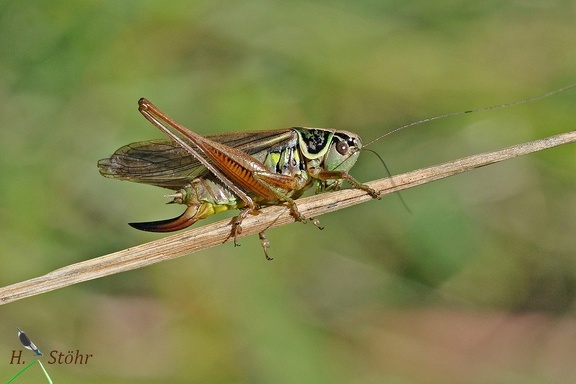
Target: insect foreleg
(324,175)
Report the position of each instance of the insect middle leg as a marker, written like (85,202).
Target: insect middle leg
(284,187)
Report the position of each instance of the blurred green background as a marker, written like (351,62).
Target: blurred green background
(477,285)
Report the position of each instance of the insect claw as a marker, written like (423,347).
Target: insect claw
(316,222)
(375,194)
(265,245)
(296,213)
(371,191)
(236,229)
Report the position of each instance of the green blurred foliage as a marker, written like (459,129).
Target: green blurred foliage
(381,295)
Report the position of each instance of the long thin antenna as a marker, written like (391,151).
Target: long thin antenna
(534,98)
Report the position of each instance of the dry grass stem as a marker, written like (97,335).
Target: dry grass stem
(211,235)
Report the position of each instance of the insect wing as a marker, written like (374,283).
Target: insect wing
(164,163)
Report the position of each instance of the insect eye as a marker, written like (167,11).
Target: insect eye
(342,147)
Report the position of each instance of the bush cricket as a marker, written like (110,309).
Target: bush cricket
(240,170)
(244,170)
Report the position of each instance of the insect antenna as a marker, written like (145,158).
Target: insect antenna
(446,115)
(391,179)
(483,109)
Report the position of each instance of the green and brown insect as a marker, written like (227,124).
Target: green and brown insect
(243,170)
(240,170)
